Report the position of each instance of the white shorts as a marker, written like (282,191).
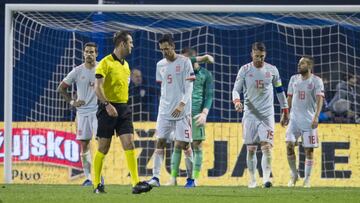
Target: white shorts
(309,137)
(256,131)
(86,126)
(181,129)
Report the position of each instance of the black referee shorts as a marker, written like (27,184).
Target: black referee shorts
(121,124)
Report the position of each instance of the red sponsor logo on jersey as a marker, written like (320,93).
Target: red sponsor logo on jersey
(178,68)
(267,75)
(43,145)
(310,86)
(251,75)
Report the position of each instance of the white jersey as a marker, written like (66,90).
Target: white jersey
(304,94)
(84,79)
(257,85)
(176,85)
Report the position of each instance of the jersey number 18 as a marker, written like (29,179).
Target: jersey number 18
(301,95)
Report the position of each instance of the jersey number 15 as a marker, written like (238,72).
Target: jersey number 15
(259,84)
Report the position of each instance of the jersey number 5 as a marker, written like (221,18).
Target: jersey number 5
(169,79)
(187,134)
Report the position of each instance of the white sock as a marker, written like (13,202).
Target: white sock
(189,161)
(266,163)
(158,159)
(308,166)
(86,162)
(251,161)
(292,165)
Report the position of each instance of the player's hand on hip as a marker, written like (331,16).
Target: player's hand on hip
(315,122)
(238,106)
(77,103)
(111,110)
(200,119)
(177,111)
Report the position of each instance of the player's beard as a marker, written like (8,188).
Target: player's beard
(89,60)
(258,64)
(170,56)
(303,71)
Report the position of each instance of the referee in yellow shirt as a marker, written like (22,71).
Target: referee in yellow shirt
(114,115)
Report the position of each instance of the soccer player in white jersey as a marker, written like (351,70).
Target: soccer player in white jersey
(175,73)
(85,104)
(305,98)
(256,81)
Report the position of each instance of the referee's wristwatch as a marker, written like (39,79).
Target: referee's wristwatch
(106,103)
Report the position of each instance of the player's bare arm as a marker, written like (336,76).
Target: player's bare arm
(319,104)
(62,89)
(186,97)
(99,91)
(238,86)
(205,59)
(289,99)
(283,124)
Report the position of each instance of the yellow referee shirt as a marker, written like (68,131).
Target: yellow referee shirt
(116,75)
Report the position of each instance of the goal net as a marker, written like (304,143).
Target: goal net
(48,45)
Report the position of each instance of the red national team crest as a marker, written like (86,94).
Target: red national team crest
(310,86)
(267,75)
(178,68)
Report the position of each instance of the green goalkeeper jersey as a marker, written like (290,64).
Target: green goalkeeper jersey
(203,91)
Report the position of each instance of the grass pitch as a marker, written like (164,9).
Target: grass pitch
(117,193)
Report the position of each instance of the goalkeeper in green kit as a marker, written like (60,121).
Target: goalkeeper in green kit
(202,97)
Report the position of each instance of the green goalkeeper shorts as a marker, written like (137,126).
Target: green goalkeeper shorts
(198,133)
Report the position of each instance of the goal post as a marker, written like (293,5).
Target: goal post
(11,9)
(8,93)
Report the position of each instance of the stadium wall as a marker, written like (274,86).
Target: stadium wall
(47,153)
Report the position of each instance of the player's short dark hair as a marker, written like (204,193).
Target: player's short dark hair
(188,50)
(91,44)
(310,58)
(121,36)
(258,46)
(167,38)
